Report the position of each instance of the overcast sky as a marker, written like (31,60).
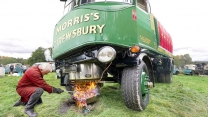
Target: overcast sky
(26,25)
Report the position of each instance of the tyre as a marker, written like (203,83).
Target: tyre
(135,91)
(168,77)
(161,78)
(177,72)
(165,78)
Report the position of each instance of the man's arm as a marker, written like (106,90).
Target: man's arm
(37,79)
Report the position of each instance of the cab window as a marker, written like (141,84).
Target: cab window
(142,4)
(91,1)
(69,5)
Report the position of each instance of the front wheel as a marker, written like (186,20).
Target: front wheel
(135,90)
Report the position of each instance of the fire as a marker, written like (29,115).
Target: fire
(84,91)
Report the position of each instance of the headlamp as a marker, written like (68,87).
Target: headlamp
(106,54)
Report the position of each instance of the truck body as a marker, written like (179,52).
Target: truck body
(189,69)
(194,69)
(206,69)
(117,38)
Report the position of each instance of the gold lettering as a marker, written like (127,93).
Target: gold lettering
(58,29)
(68,35)
(79,31)
(101,28)
(64,26)
(74,33)
(59,40)
(92,29)
(145,40)
(86,17)
(83,30)
(81,19)
(63,38)
(69,23)
(76,20)
(96,16)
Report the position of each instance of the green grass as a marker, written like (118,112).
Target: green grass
(187,96)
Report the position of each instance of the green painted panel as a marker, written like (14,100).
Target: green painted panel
(145,33)
(84,26)
(106,23)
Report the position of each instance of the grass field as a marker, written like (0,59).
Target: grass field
(186,96)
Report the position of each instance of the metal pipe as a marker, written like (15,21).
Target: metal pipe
(70,91)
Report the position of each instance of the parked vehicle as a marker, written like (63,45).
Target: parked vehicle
(24,68)
(2,71)
(201,67)
(116,37)
(17,68)
(206,69)
(175,70)
(190,70)
(7,70)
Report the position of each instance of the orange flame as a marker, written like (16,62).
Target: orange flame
(84,91)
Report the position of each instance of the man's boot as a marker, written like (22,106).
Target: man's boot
(31,113)
(19,103)
(39,101)
(29,109)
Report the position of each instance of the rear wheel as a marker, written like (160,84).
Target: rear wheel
(161,78)
(135,90)
(177,72)
(166,77)
(169,75)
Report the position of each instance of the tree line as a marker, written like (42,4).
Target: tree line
(182,60)
(38,56)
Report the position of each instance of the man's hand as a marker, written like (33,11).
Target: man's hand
(57,90)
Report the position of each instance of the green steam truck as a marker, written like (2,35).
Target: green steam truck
(117,41)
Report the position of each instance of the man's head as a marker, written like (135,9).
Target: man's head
(45,68)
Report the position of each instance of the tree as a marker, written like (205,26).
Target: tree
(37,56)
(188,59)
(6,60)
(182,60)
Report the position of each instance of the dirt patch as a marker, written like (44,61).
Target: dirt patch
(65,106)
(69,104)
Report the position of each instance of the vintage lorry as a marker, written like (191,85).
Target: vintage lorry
(206,69)
(175,70)
(190,69)
(119,41)
(193,69)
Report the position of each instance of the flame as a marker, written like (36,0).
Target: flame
(84,91)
